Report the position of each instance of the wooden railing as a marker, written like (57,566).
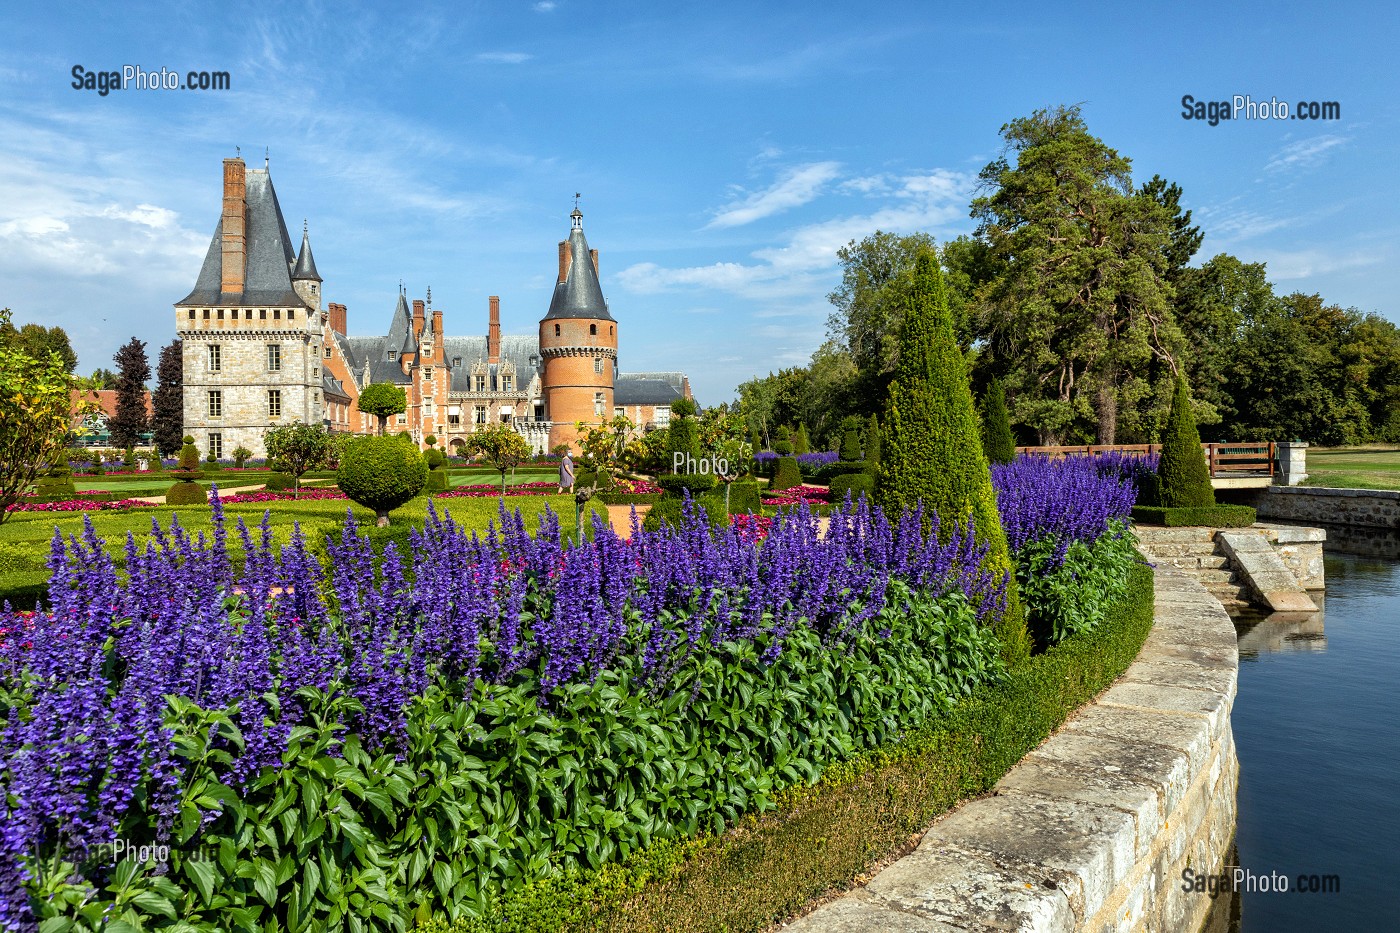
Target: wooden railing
(1225,459)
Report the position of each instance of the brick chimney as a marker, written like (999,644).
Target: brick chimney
(417,319)
(437,324)
(234,225)
(337,317)
(594,253)
(563,260)
(493,332)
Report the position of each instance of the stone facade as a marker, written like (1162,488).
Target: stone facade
(1370,508)
(1092,830)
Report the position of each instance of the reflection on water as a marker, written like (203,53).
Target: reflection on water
(1317,728)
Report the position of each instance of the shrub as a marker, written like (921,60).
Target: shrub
(783,448)
(675,485)
(241,455)
(1184,475)
(850,445)
(187,492)
(854,483)
(743,497)
(381,474)
(1213,516)
(997,441)
(54,485)
(786,475)
(189,455)
(280,482)
(154,464)
(430,440)
(800,443)
(872,446)
(434,458)
(830,471)
(383,399)
(932,444)
(211,464)
(437,481)
(670,511)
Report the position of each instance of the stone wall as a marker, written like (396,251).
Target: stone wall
(1092,830)
(1371,508)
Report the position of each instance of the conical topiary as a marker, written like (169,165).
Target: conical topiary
(187,491)
(997,441)
(800,443)
(931,450)
(850,446)
(872,446)
(1184,477)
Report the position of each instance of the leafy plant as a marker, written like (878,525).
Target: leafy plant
(381,473)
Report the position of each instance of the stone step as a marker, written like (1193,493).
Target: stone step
(1179,549)
(1208,577)
(1188,535)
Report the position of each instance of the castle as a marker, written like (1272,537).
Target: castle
(259,349)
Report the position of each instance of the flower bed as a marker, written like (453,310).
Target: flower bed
(80,505)
(556,705)
(817,495)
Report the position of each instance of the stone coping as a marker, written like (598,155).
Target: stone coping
(1091,830)
(1339,491)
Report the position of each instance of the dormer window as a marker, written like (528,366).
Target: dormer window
(390,355)
(456,361)
(505,383)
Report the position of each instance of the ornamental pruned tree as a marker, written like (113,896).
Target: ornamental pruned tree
(36,410)
(297,448)
(383,399)
(1184,477)
(168,400)
(996,426)
(931,451)
(682,434)
(501,446)
(130,420)
(381,474)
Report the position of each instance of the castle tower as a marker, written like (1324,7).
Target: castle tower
(578,342)
(305,279)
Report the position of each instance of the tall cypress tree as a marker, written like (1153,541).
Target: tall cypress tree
(872,445)
(932,446)
(168,400)
(130,420)
(1184,476)
(997,440)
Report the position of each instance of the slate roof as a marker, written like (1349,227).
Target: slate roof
(518,348)
(267,277)
(333,388)
(579,295)
(644,389)
(306,263)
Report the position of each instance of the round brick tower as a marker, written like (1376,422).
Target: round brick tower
(578,341)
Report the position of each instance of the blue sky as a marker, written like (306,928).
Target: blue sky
(724,151)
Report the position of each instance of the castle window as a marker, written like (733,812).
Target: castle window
(216,404)
(274,403)
(428,408)
(598,404)
(262,314)
(221,314)
(214,360)
(454,416)
(191,314)
(291,314)
(505,383)
(610,330)
(206,314)
(597,364)
(619,413)
(402,419)
(274,357)
(427,373)
(315,372)
(481,383)
(556,327)
(479,414)
(248,314)
(277,314)
(216,444)
(390,355)
(456,361)
(328,352)
(593,329)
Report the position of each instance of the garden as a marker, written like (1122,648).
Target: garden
(367,708)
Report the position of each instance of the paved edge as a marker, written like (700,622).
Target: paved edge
(1093,829)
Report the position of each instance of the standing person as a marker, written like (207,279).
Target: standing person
(566,473)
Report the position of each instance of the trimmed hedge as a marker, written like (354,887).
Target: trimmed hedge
(671,510)
(629,498)
(1215,516)
(437,481)
(279,482)
(1182,469)
(825,474)
(855,484)
(821,838)
(187,494)
(786,475)
(674,485)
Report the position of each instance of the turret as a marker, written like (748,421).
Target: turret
(305,279)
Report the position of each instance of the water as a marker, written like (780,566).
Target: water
(1317,726)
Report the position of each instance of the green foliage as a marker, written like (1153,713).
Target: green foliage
(381,474)
(674,485)
(850,445)
(822,837)
(241,455)
(682,436)
(786,474)
(501,446)
(279,482)
(1182,470)
(435,458)
(1076,595)
(129,421)
(932,450)
(670,510)
(997,441)
(298,448)
(685,408)
(154,464)
(383,399)
(800,444)
(1213,516)
(437,481)
(54,485)
(37,342)
(430,440)
(857,484)
(873,440)
(35,407)
(783,448)
(187,493)
(168,399)
(211,465)
(734,499)
(189,455)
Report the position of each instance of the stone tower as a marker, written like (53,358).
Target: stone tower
(578,342)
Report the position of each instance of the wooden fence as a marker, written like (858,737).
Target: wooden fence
(1224,459)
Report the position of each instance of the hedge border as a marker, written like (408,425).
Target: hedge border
(1215,516)
(821,838)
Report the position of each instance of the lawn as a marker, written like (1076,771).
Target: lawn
(25,537)
(1372,467)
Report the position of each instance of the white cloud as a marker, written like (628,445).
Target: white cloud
(1305,153)
(799,185)
(503,58)
(1288,265)
(545,6)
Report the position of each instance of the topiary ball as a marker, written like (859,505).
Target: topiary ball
(381,473)
(279,482)
(435,458)
(187,494)
(189,455)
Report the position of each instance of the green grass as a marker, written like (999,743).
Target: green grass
(25,538)
(1372,467)
(478,477)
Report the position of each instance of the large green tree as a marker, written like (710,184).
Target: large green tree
(130,419)
(1079,307)
(38,341)
(383,399)
(168,400)
(297,448)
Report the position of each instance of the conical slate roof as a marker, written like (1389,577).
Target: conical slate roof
(268,255)
(579,295)
(306,263)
